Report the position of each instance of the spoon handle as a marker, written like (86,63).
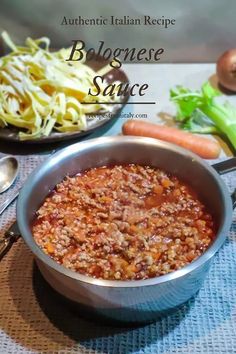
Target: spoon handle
(8,239)
(8,202)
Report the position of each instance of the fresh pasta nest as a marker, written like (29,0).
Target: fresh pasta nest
(40,91)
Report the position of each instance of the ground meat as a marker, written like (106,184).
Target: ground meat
(123,223)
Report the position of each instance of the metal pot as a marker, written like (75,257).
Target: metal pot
(127,301)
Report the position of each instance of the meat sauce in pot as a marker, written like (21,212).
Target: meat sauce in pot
(123,222)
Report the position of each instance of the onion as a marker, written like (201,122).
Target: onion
(226,69)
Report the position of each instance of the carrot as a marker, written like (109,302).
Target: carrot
(206,148)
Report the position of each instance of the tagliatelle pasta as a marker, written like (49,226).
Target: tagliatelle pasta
(40,91)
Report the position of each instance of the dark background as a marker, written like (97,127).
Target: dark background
(203,30)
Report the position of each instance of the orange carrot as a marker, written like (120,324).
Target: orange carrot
(204,147)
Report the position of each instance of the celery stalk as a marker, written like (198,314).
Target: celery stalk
(200,112)
(222,121)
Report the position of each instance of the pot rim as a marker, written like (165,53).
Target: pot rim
(82,146)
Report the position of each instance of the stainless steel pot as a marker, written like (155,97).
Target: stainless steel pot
(127,301)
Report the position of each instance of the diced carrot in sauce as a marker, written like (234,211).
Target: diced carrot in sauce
(50,247)
(131,269)
(158,189)
(166,183)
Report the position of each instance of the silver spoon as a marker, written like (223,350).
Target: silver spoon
(9,168)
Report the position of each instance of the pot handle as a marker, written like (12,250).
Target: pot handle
(8,239)
(226,167)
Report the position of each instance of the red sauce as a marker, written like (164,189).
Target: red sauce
(123,223)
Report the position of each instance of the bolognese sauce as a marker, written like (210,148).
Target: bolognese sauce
(123,222)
